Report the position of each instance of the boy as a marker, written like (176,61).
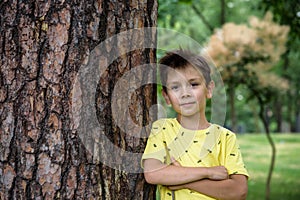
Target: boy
(187,157)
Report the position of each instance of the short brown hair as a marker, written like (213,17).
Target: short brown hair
(180,59)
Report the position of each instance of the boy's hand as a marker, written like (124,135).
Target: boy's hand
(175,162)
(214,173)
(217,173)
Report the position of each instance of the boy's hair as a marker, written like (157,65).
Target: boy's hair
(180,59)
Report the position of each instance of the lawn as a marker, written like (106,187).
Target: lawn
(285,184)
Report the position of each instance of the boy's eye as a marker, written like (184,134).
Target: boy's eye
(174,87)
(195,84)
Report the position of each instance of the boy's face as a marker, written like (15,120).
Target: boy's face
(187,91)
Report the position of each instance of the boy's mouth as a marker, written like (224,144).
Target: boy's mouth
(187,103)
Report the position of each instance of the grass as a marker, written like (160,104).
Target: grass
(285,183)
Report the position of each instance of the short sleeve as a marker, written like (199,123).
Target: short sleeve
(155,145)
(233,158)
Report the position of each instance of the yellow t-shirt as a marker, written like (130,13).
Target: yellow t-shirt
(213,146)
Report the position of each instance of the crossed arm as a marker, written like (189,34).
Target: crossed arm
(211,181)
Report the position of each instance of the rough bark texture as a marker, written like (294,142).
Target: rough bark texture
(43,44)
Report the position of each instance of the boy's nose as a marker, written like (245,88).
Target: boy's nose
(186,91)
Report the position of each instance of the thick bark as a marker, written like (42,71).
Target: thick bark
(43,45)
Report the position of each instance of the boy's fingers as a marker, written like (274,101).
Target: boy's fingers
(174,162)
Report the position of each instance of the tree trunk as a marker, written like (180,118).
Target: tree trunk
(44,47)
(202,17)
(264,118)
(297,130)
(278,114)
(231,91)
(223,13)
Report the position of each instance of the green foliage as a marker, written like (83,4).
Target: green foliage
(249,51)
(288,13)
(285,12)
(186,1)
(239,11)
(181,15)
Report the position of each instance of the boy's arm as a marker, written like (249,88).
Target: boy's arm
(234,188)
(156,172)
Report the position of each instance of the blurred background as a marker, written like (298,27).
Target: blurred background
(254,44)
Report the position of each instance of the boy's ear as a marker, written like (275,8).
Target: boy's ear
(210,89)
(166,96)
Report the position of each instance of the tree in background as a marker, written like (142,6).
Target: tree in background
(288,107)
(243,53)
(246,55)
(43,46)
(198,19)
(281,98)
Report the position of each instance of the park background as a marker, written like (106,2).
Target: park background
(255,46)
(64,130)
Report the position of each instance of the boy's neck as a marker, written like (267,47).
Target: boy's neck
(194,122)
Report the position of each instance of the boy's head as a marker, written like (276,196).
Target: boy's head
(182,59)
